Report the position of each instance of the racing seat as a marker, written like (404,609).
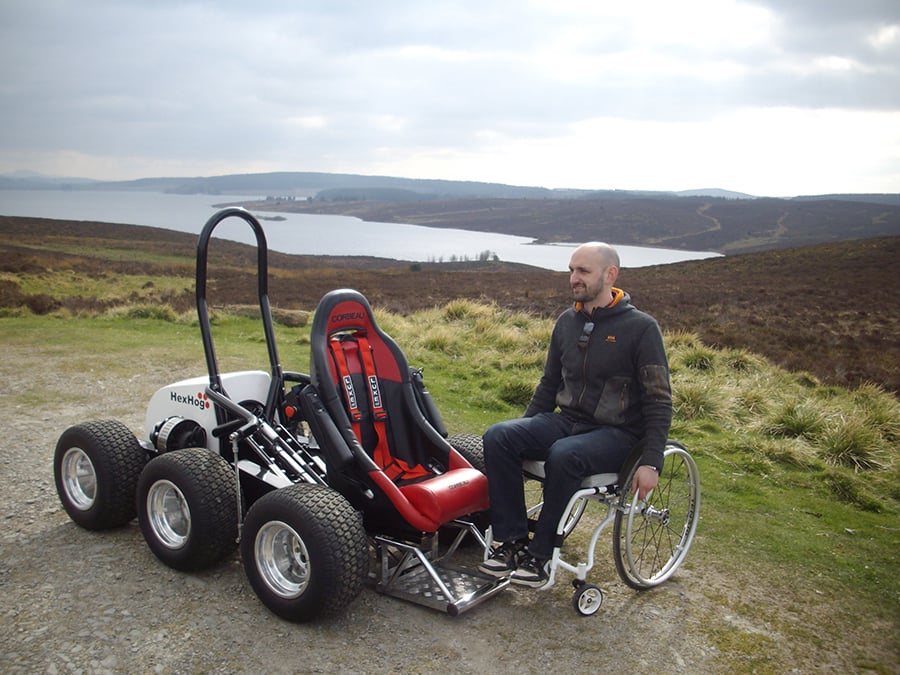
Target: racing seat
(400,471)
(365,384)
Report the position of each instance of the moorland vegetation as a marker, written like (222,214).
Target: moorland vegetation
(829,309)
(800,500)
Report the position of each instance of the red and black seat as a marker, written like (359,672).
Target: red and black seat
(403,474)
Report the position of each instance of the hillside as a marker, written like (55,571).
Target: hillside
(830,310)
(685,223)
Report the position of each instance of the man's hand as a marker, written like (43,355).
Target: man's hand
(645,480)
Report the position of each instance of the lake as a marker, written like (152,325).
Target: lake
(310,234)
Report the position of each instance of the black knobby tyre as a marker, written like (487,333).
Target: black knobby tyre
(96,467)
(305,551)
(471,447)
(187,508)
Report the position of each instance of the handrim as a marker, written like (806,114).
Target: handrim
(654,547)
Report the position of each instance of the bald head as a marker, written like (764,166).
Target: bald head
(593,269)
(602,252)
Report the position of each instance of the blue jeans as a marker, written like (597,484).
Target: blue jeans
(571,451)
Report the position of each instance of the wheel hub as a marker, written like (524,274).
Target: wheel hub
(282,559)
(169,514)
(79,479)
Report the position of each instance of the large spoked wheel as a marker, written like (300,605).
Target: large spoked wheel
(305,551)
(652,538)
(96,467)
(187,508)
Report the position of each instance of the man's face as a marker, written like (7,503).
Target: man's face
(586,276)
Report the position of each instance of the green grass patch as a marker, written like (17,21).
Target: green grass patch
(800,482)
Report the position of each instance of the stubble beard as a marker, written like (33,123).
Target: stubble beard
(581,293)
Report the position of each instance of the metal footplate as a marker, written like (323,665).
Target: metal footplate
(412,573)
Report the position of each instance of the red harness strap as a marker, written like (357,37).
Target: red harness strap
(396,469)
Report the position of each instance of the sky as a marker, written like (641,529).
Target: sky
(766,97)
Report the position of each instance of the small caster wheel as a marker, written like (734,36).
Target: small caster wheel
(587,599)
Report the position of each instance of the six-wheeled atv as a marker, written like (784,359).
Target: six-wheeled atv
(321,478)
(318,477)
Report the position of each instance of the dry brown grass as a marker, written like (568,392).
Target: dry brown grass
(830,310)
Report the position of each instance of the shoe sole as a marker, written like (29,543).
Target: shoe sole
(530,582)
(495,572)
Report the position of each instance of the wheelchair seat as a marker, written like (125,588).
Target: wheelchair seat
(534,469)
(413,479)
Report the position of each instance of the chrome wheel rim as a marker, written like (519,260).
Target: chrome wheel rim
(79,479)
(169,514)
(282,559)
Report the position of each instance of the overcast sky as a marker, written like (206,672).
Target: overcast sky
(768,97)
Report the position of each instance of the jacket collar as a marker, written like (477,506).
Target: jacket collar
(617,296)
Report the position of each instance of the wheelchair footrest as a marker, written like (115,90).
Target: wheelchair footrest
(440,585)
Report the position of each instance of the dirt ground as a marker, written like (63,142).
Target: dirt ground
(79,601)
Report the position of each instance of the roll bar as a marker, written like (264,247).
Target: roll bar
(262,273)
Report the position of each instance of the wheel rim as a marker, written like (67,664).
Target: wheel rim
(658,533)
(169,514)
(588,600)
(282,559)
(79,478)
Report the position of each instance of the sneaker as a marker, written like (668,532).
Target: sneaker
(531,572)
(504,559)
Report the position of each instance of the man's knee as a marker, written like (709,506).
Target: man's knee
(491,441)
(566,456)
(497,436)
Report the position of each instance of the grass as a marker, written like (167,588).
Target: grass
(800,480)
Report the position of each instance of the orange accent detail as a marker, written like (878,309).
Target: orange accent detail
(618,294)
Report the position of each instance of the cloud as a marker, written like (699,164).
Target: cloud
(501,91)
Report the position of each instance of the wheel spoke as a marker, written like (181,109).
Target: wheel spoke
(652,539)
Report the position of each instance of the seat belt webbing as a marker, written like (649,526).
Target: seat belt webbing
(396,469)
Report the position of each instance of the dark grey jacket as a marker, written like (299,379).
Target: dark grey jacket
(620,377)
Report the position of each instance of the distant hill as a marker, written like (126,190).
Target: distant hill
(684,223)
(892,199)
(714,192)
(287,184)
(708,219)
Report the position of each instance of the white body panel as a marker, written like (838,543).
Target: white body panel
(188,399)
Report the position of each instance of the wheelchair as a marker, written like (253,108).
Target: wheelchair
(651,537)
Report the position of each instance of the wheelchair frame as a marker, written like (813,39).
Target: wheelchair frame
(651,537)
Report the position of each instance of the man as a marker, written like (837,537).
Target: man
(605,388)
